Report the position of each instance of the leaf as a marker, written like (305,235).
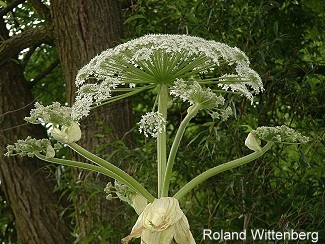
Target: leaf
(208,123)
(3,4)
(137,16)
(276,28)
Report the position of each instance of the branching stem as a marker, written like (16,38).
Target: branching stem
(127,179)
(220,168)
(161,138)
(172,154)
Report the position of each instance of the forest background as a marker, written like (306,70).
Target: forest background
(44,43)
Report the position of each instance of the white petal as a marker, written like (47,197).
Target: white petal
(160,237)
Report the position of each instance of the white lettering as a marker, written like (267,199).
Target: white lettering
(302,236)
(278,235)
(242,235)
(314,236)
(257,234)
(217,235)
(294,235)
(227,236)
(260,234)
(207,232)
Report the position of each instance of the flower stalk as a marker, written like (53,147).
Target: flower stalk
(161,138)
(192,111)
(126,178)
(221,168)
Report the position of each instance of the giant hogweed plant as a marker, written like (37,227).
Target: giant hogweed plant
(191,69)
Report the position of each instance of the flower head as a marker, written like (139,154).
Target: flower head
(281,134)
(54,114)
(90,94)
(161,222)
(152,123)
(162,59)
(30,146)
(194,93)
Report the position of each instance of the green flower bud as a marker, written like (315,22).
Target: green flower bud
(253,142)
(67,134)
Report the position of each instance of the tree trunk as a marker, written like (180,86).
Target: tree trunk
(25,180)
(83,29)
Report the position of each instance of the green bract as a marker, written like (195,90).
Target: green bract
(253,142)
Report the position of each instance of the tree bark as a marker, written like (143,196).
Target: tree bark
(24,180)
(83,29)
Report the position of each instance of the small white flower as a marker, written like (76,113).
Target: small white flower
(81,107)
(224,114)
(161,222)
(152,123)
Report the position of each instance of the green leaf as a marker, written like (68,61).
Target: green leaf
(137,16)
(3,4)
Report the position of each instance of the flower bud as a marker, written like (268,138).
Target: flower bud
(253,142)
(67,134)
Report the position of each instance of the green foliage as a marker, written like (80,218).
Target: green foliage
(285,189)
(44,74)
(285,43)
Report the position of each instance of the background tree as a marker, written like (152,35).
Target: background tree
(80,35)
(26,185)
(78,31)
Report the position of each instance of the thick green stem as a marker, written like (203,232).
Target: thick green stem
(161,138)
(80,165)
(192,111)
(220,168)
(127,179)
